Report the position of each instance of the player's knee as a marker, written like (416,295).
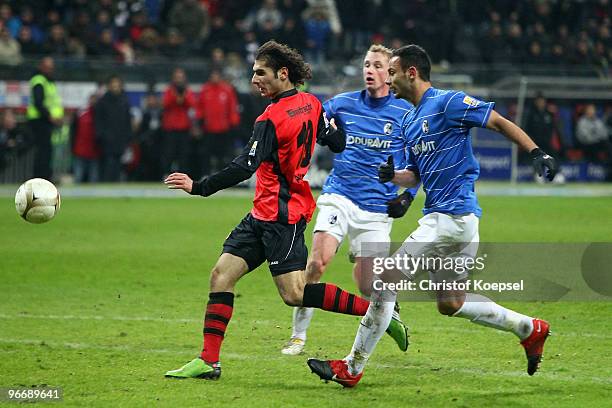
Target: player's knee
(215,274)
(449,307)
(218,280)
(292,297)
(315,269)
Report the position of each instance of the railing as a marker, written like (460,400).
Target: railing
(159,69)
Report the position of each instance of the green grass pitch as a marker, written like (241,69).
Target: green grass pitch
(107,297)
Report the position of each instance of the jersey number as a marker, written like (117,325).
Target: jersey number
(305,138)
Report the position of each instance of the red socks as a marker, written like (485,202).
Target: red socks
(218,314)
(320,295)
(331,298)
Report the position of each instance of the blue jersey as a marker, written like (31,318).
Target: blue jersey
(437,133)
(372,128)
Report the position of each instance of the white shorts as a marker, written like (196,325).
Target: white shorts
(340,217)
(444,236)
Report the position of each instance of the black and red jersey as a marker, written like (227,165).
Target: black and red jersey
(279,152)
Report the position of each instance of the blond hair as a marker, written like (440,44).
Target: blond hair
(381,49)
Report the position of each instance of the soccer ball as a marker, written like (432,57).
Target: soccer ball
(37,201)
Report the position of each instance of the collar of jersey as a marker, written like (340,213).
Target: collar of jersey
(285,94)
(426,94)
(375,102)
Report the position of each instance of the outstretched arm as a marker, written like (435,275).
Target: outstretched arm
(544,164)
(511,131)
(262,143)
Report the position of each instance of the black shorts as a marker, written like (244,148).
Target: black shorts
(282,245)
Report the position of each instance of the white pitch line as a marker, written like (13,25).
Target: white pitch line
(119,318)
(238,356)
(177,320)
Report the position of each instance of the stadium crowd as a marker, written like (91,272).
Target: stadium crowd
(200,132)
(521,31)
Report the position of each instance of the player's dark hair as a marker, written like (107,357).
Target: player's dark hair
(414,56)
(278,55)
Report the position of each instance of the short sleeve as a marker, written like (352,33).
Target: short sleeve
(466,111)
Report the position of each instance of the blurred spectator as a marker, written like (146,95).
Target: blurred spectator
(27,20)
(150,137)
(601,58)
(106,5)
(85,150)
(221,33)
(153,9)
(538,33)
(56,44)
(540,125)
(250,46)
(191,19)
(105,46)
(217,58)
(558,54)
(113,125)
(265,20)
(219,114)
(582,54)
(174,45)
(103,22)
(82,28)
(535,54)
(592,134)
(493,46)
(515,44)
(328,7)
(293,33)
(44,112)
(125,51)
(28,46)
(52,19)
(147,46)
(12,23)
(572,35)
(358,26)
(234,69)
(252,104)
(318,31)
(13,138)
(76,48)
(138,24)
(10,50)
(179,103)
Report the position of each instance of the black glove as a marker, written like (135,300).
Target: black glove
(386,171)
(397,207)
(544,164)
(334,139)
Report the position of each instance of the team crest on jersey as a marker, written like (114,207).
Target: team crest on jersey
(388,128)
(425,126)
(333,219)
